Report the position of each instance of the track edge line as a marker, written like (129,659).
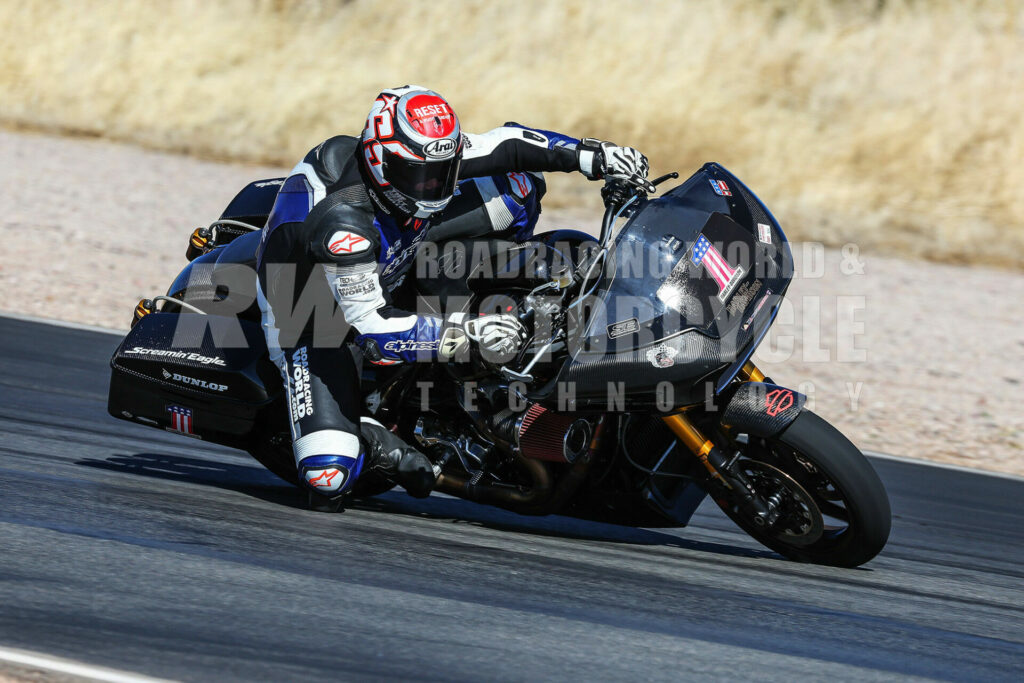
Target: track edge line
(60,323)
(943,465)
(72,668)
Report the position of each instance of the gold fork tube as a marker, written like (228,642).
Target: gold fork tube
(750,373)
(691,437)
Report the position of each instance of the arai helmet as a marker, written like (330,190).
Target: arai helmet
(412,146)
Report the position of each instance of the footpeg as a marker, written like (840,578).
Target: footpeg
(198,243)
(144,308)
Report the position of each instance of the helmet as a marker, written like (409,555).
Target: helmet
(412,146)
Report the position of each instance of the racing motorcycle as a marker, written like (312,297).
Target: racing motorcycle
(635,398)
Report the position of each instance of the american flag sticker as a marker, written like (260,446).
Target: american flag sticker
(181,420)
(720,187)
(727,277)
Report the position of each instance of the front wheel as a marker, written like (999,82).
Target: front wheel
(829,506)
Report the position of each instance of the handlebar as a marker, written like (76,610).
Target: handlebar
(617,195)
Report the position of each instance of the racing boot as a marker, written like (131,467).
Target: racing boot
(388,454)
(318,503)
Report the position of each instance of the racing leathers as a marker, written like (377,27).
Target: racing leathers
(328,246)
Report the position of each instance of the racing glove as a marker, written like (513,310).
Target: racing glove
(497,335)
(608,160)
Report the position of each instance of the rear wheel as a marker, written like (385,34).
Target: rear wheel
(829,506)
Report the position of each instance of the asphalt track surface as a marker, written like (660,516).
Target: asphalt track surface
(126,547)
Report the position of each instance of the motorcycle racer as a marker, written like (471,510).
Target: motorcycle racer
(346,224)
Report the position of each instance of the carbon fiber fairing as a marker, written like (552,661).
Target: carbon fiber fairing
(693,281)
(762,409)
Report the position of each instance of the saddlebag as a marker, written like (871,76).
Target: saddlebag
(201,376)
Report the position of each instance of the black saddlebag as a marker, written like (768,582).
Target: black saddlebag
(202,376)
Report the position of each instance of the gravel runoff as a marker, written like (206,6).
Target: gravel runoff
(905,357)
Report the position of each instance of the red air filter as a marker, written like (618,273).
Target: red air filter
(542,434)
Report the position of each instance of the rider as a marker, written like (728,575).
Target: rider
(346,224)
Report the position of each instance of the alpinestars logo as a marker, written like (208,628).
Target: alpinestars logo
(344,242)
(302,394)
(410,345)
(192,381)
(325,479)
(519,184)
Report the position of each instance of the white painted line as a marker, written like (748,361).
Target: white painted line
(61,323)
(72,668)
(943,465)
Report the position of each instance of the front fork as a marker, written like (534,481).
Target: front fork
(715,461)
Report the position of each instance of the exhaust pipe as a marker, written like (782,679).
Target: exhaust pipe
(541,497)
(512,497)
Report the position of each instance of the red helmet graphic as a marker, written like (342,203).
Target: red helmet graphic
(412,146)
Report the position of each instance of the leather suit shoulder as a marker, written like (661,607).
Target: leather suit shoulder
(342,232)
(333,158)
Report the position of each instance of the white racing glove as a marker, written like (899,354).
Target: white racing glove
(608,160)
(496,335)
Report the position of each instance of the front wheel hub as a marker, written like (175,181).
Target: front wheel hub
(793,515)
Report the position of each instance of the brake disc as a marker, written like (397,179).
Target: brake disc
(800,521)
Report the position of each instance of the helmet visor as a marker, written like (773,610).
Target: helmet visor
(422,180)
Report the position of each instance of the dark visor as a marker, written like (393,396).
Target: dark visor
(429,181)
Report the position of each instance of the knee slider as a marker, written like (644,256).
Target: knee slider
(330,475)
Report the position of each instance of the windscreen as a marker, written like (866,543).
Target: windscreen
(693,259)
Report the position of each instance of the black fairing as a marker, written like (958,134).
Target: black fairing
(657,316)
(761,409)
(222,281)
(217,367)
(254,202)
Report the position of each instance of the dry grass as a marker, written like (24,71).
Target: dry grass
(893,124)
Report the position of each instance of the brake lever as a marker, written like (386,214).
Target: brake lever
(668,176)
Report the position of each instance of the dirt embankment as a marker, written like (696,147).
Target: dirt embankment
(905,357)
(894,124)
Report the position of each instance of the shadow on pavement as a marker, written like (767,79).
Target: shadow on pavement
(251,480)
(259,483)
(458,511)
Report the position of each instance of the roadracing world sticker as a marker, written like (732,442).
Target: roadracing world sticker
(302,394)
(354,285)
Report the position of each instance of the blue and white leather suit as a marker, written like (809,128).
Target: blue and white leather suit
(330,256)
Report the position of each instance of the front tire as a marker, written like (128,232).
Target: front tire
(843,501)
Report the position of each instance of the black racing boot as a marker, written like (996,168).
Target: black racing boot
(387,453)
(318,503)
